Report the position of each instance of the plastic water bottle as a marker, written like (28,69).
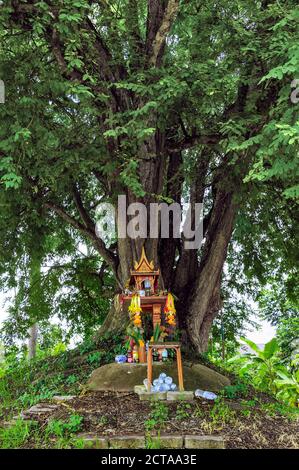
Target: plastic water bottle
(120,358)
(210,395)
(164,355)
(168,380)
(205,394)
(162,376)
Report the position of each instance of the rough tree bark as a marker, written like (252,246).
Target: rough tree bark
(33,298)
(32,341)
(206,298)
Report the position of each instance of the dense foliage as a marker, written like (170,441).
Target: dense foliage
(166,101)
(161,101)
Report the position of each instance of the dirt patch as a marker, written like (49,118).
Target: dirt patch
(115,414)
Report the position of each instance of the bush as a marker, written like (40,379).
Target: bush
(288,387)
(265,371)
(261,365)
(61,428)
(239,390)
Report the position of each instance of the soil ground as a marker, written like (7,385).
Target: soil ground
(243,424)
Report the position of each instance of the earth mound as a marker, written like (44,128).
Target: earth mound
(123,377)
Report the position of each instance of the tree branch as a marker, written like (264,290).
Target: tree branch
(66,217)
(105,57)
(108,255)
(57,52)
(161,34)
(87,220)
(135,41)
(155,13)
(190,141)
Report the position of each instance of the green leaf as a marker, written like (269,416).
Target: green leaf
(270,348)
(252,345)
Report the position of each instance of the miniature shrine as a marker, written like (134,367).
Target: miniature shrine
(144,284)
(142,297)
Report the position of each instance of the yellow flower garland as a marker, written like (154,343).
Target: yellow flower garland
(135,311)
(170,310)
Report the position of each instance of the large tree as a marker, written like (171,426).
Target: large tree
(155,100)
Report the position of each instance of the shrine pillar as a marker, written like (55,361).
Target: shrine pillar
(156,315)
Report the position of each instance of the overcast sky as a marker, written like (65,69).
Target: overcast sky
(265,334)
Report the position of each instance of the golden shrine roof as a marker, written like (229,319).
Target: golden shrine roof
(144,266)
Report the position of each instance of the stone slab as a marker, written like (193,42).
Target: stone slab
(180,396)
(63,398)
(152,396)
(171,442)
(127,442)
(22,415)
(8,424)
(40,408)
(204,442)
(139,389)
(92,441)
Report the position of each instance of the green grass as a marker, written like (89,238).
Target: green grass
(14,436)
(276,408)
(59,428)
(183,411)
(158,415)
(152,442)
(24,383)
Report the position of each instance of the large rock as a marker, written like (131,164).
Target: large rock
(124,377)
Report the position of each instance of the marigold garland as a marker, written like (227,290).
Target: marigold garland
(135,311)
(170,310)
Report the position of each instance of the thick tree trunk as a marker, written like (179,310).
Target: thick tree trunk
(200,301)
(152,167)
(206,299)
(116,319)
(197,285)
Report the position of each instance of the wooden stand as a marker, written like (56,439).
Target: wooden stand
(142,354)
(177,348)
